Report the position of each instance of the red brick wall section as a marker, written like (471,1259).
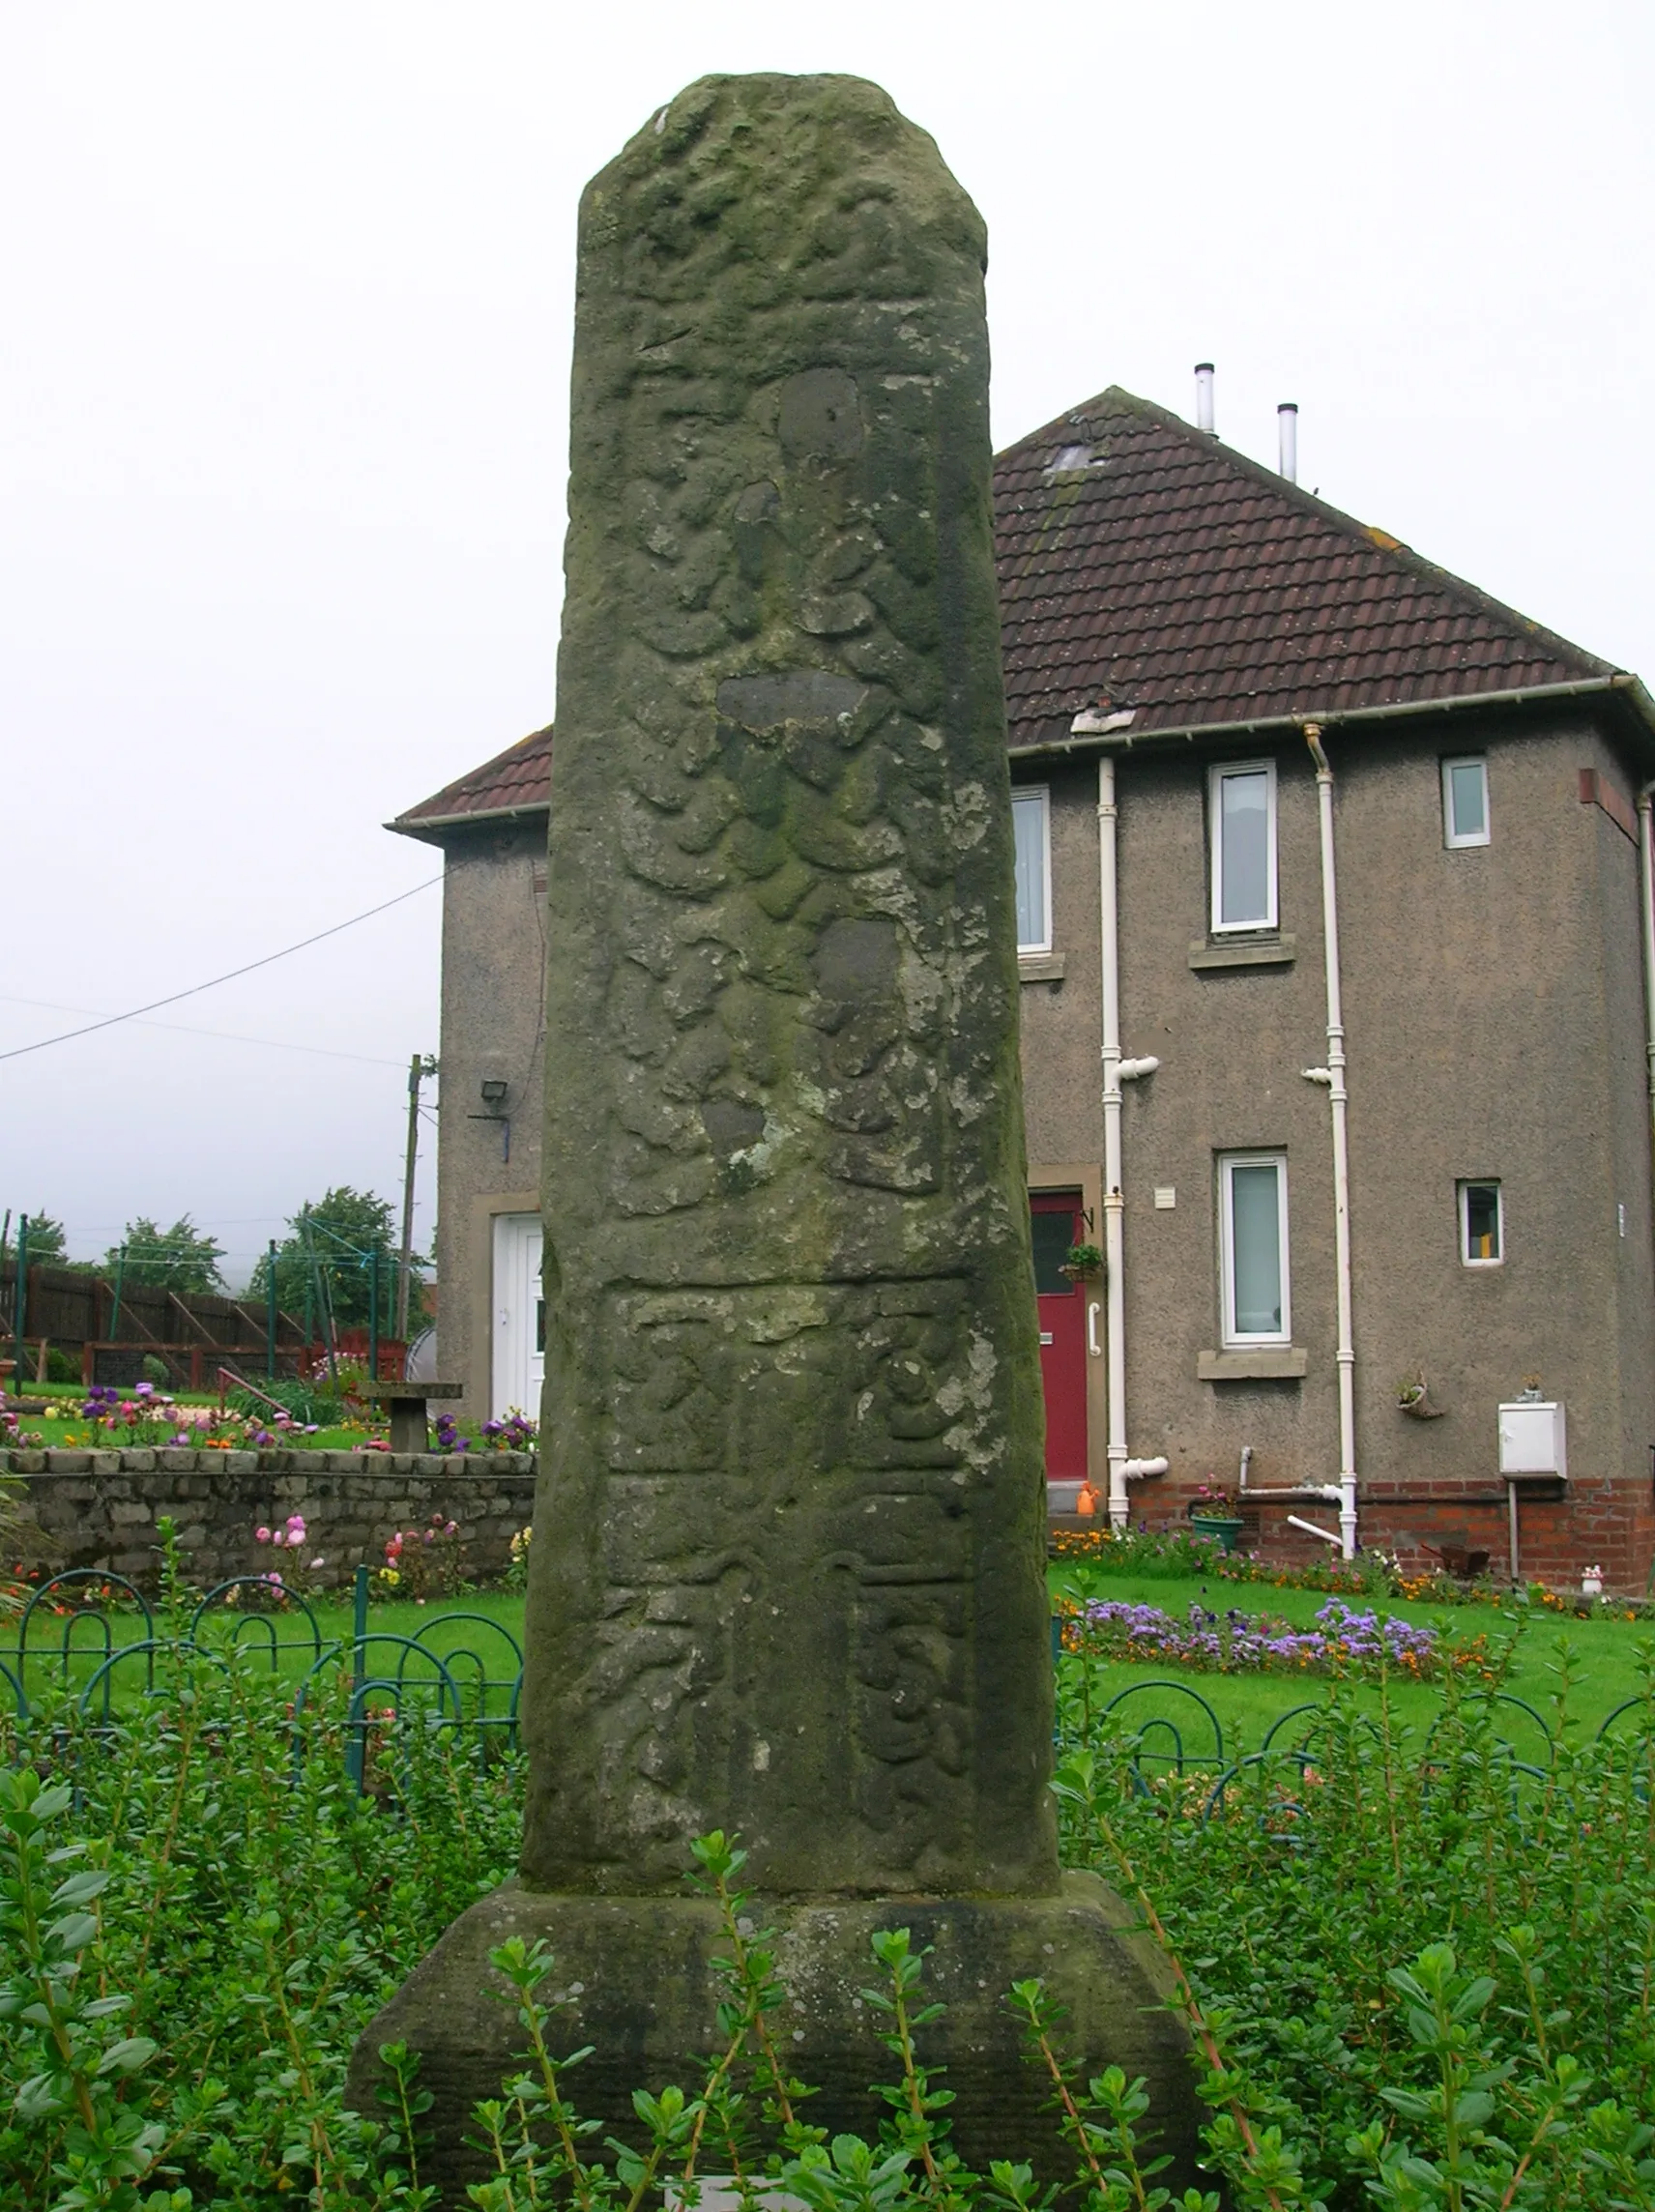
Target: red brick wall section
(1606,1525)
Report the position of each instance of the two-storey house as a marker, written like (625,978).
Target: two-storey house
(1338,958)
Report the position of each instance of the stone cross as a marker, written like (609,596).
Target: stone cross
(788,1572)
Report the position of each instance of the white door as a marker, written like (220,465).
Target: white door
(519,1363)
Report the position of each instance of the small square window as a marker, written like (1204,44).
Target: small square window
(1032,832)
(1242,803)
(1465,802)
(1482,1229)
(1253,1248)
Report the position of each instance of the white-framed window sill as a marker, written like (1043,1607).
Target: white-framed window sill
(1272,949)
(1039,967)
(1253,1363)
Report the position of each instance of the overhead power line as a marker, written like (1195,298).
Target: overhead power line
(184,1029)
(132,1013)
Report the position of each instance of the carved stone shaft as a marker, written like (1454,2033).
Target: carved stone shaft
(788,1569)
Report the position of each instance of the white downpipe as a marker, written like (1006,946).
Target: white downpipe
(1122,1468)
(1646,885)
(1113,1201)
(1338,1097)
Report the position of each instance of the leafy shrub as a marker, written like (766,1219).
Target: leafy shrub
(310,1404)
(1419,1973)
(1427,1965)
(422,1564)
(516,1576)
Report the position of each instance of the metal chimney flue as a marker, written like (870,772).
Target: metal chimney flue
(1287,428)
(1204,397)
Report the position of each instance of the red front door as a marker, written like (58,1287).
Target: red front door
(1056,1222)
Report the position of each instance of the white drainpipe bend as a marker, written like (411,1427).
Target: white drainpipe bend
(1338,1097)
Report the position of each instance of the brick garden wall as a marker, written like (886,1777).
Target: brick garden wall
(1609,1524)
(99,1508)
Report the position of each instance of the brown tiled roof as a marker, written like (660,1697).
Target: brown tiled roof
(1144,567)
(515,781)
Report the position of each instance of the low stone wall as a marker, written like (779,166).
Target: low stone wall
(99,1508)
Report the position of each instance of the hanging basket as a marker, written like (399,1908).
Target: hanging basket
(1415,1400)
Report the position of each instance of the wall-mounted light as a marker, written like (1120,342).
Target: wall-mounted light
(494,1087)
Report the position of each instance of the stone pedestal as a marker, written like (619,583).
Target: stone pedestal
(646,1991)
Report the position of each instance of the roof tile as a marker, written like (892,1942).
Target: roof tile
(1180,579)
(521,776)
(1176,577)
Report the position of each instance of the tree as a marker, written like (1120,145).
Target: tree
(335,1245)
(46,1246)
(181,1259)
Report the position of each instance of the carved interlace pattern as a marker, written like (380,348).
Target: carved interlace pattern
(779,1016)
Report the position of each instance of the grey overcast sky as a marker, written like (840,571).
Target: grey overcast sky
(284,336)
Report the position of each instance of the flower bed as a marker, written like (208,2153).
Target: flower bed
(1373,1574)
(1343,1640)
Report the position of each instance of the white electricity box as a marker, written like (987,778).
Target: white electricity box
(1531,1438)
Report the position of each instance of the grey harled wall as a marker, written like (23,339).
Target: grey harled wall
(100,1508)
(494,923)
(1493,1002)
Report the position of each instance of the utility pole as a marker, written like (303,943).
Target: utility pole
(418,1067)
(20,1300)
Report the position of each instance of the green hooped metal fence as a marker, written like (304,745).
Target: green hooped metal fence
(89,1642)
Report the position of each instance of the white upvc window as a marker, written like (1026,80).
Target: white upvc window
(1464,801)
(1253,1248)
(1482,1223)
(1242,807)
(1032,831)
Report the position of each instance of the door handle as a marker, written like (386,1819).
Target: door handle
(1091,1332)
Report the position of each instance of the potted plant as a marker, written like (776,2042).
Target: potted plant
(1216,1513)
(1081,1260)
(1414,1397)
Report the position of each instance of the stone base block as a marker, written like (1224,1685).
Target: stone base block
(638,1976)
